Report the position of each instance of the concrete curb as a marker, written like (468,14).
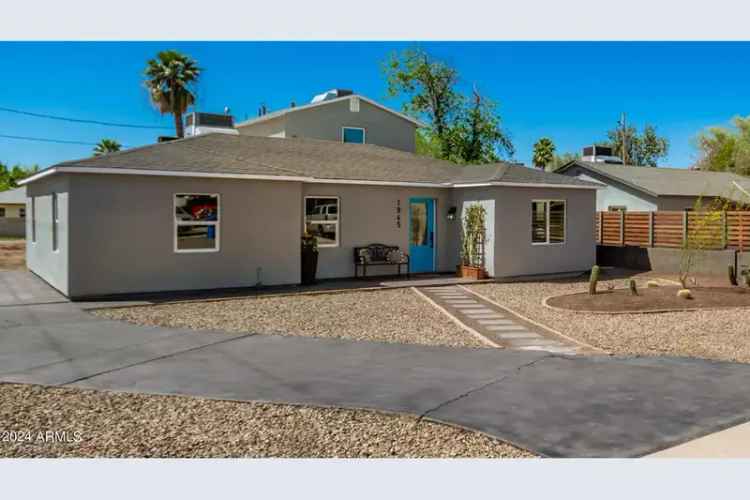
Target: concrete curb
(457,321)
(536,323)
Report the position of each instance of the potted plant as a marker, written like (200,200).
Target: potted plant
(309,258)
(472,243)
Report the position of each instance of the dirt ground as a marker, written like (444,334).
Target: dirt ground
(653,299)
(12,254)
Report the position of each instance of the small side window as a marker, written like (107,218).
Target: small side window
(55,222)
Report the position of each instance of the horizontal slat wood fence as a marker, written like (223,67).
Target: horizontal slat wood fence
(710,230)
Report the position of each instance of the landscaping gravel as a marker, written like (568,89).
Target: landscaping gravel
(713,334)
(103,424)
(385,315)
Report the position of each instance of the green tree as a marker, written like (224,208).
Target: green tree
(544,152)
(726,149)
(106,146)
(643,149)
(170,79)
(460,129)
(476,136)
(559,161)
(10,177)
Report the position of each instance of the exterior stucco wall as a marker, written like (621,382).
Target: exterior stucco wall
(514,253)
(463,198)
(616,194)
(51,265)
(368,214)
(325,122)
(271,128)
(123,238)
(12,210)
(679,202)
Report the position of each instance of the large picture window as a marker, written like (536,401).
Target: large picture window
(547,222)
(322,219)
(196,223)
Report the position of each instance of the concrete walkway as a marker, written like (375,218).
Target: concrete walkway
(495,323)
(554,405)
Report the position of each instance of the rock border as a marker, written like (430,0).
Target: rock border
(645,311)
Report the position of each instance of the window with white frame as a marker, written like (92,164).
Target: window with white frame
(196,222)
(322,219)
(547,222)
(55,222)
(354,135)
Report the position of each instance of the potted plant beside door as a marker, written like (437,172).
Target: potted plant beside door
(309,258)
(473,234)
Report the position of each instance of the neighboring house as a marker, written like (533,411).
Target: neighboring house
(13,212)
(634,188)
(218,210)
(338,115)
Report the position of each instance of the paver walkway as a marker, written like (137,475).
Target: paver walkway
(495,323)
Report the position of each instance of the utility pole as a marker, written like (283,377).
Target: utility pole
(624,140)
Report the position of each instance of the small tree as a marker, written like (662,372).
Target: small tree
(704,232)
(473,235)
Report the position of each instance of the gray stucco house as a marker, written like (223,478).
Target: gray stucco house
(13,212)
(338,115)
(634,188)
(219,210)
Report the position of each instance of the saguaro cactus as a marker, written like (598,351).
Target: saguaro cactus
(593,280)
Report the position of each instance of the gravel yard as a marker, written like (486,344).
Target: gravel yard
(399,316)
(713,334)
(103,424)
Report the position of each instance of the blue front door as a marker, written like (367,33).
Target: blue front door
(422,235)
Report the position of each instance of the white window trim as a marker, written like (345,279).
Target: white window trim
(547,219)
(216,223)
(364,134)
(337,222)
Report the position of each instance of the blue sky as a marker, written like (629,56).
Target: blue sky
(571,92)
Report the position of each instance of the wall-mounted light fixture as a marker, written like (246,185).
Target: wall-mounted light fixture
(451,213)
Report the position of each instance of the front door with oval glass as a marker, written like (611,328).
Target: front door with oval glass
(422,235)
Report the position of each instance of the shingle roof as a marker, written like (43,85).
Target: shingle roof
(664,181)
(13,196)
(310,158)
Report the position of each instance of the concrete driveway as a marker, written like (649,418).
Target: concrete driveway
(554,405)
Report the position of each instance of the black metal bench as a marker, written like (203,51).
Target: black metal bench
(377,254)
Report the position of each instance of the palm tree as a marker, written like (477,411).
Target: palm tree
(170,79)
(544,152)
(106,146)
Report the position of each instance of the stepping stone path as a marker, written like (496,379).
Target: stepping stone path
(495,323)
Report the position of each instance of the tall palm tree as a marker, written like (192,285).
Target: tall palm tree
(170,79)
(106,146)
(544,152)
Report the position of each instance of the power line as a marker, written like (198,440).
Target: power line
(77,120)
(44,139)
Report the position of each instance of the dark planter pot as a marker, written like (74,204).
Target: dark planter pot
(309,267)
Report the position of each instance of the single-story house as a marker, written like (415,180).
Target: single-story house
(13,212)
(636,188)
(219,210)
